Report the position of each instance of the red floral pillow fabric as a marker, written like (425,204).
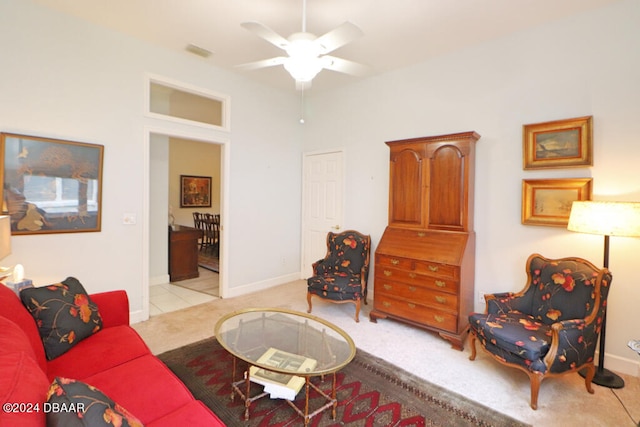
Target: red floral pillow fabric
(74,403)
(64,313)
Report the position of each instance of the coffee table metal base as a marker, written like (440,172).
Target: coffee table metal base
(332,401)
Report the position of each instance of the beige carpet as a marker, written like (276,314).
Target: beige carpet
(563,400)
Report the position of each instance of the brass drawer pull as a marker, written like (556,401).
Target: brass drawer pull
(441,300)
(413,275)
(433,268)
(413,288)
(441,284)
(411,305)
(395,261)
(387,273)
(387,287)
(421,234)
(386,304)
(439,319)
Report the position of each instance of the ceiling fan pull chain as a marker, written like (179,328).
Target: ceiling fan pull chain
(302,106)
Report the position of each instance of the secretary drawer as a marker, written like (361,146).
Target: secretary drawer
(413,278)
(443,270)
(416,313)
(418,294)
(417,266)
(396,262)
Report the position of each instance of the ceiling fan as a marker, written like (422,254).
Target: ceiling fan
(307,53)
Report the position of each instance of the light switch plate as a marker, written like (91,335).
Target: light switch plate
(128,218)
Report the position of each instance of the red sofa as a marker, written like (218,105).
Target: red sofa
(115,360)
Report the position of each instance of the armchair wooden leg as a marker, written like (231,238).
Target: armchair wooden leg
(536,379)
(309,301)
(472,341)
(591,371)
(357,302)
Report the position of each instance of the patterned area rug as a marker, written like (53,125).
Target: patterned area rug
(371,392)
(208,261)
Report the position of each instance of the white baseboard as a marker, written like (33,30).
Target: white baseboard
(261,285)
(138,316)
(621,365)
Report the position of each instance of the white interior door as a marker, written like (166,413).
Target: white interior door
(323,204)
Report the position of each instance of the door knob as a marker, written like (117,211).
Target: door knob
(336,227)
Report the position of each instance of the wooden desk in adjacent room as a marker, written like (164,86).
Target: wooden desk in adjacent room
(183,252)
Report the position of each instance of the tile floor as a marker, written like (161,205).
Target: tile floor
(171,297)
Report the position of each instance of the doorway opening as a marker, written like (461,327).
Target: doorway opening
(170,158)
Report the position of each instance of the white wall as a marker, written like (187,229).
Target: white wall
(583,65)
(67,79)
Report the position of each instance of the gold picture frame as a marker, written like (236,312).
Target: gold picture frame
(548,202)
(558,144)
(195,191)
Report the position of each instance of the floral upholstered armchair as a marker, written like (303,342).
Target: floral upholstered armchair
(341,276)
(549,328)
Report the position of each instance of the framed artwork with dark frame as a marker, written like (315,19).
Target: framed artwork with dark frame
(195,191)
(558,144)
(51,185)
(548,201)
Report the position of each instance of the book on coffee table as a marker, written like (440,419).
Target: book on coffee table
(278,385)
(634,345)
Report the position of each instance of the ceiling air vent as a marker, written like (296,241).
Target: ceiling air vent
(197,50)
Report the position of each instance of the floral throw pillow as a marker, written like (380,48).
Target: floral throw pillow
(64,313)
(74,403)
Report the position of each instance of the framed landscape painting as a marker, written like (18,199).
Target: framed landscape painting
(558,144)
(548,201)
(195,191)
(50,185)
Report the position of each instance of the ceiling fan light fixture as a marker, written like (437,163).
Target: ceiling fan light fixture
(303,69)
(303,63)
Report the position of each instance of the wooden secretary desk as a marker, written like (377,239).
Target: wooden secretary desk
(425,261)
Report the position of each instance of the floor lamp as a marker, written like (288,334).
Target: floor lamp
(607,219)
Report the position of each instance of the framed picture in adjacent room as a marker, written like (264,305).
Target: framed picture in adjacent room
(195,191)
(558,144)
(548,201)
(50,185)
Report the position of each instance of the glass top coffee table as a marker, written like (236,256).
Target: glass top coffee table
(284,349)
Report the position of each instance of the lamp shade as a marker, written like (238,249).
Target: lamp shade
(605,218)
(5,236)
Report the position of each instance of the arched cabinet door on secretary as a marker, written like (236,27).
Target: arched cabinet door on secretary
(407,178)
(451,188)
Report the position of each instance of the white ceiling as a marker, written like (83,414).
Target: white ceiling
(397,33)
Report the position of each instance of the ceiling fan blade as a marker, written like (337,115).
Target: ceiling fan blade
(339,36)
(340,65)
(271,62)
(266,33)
